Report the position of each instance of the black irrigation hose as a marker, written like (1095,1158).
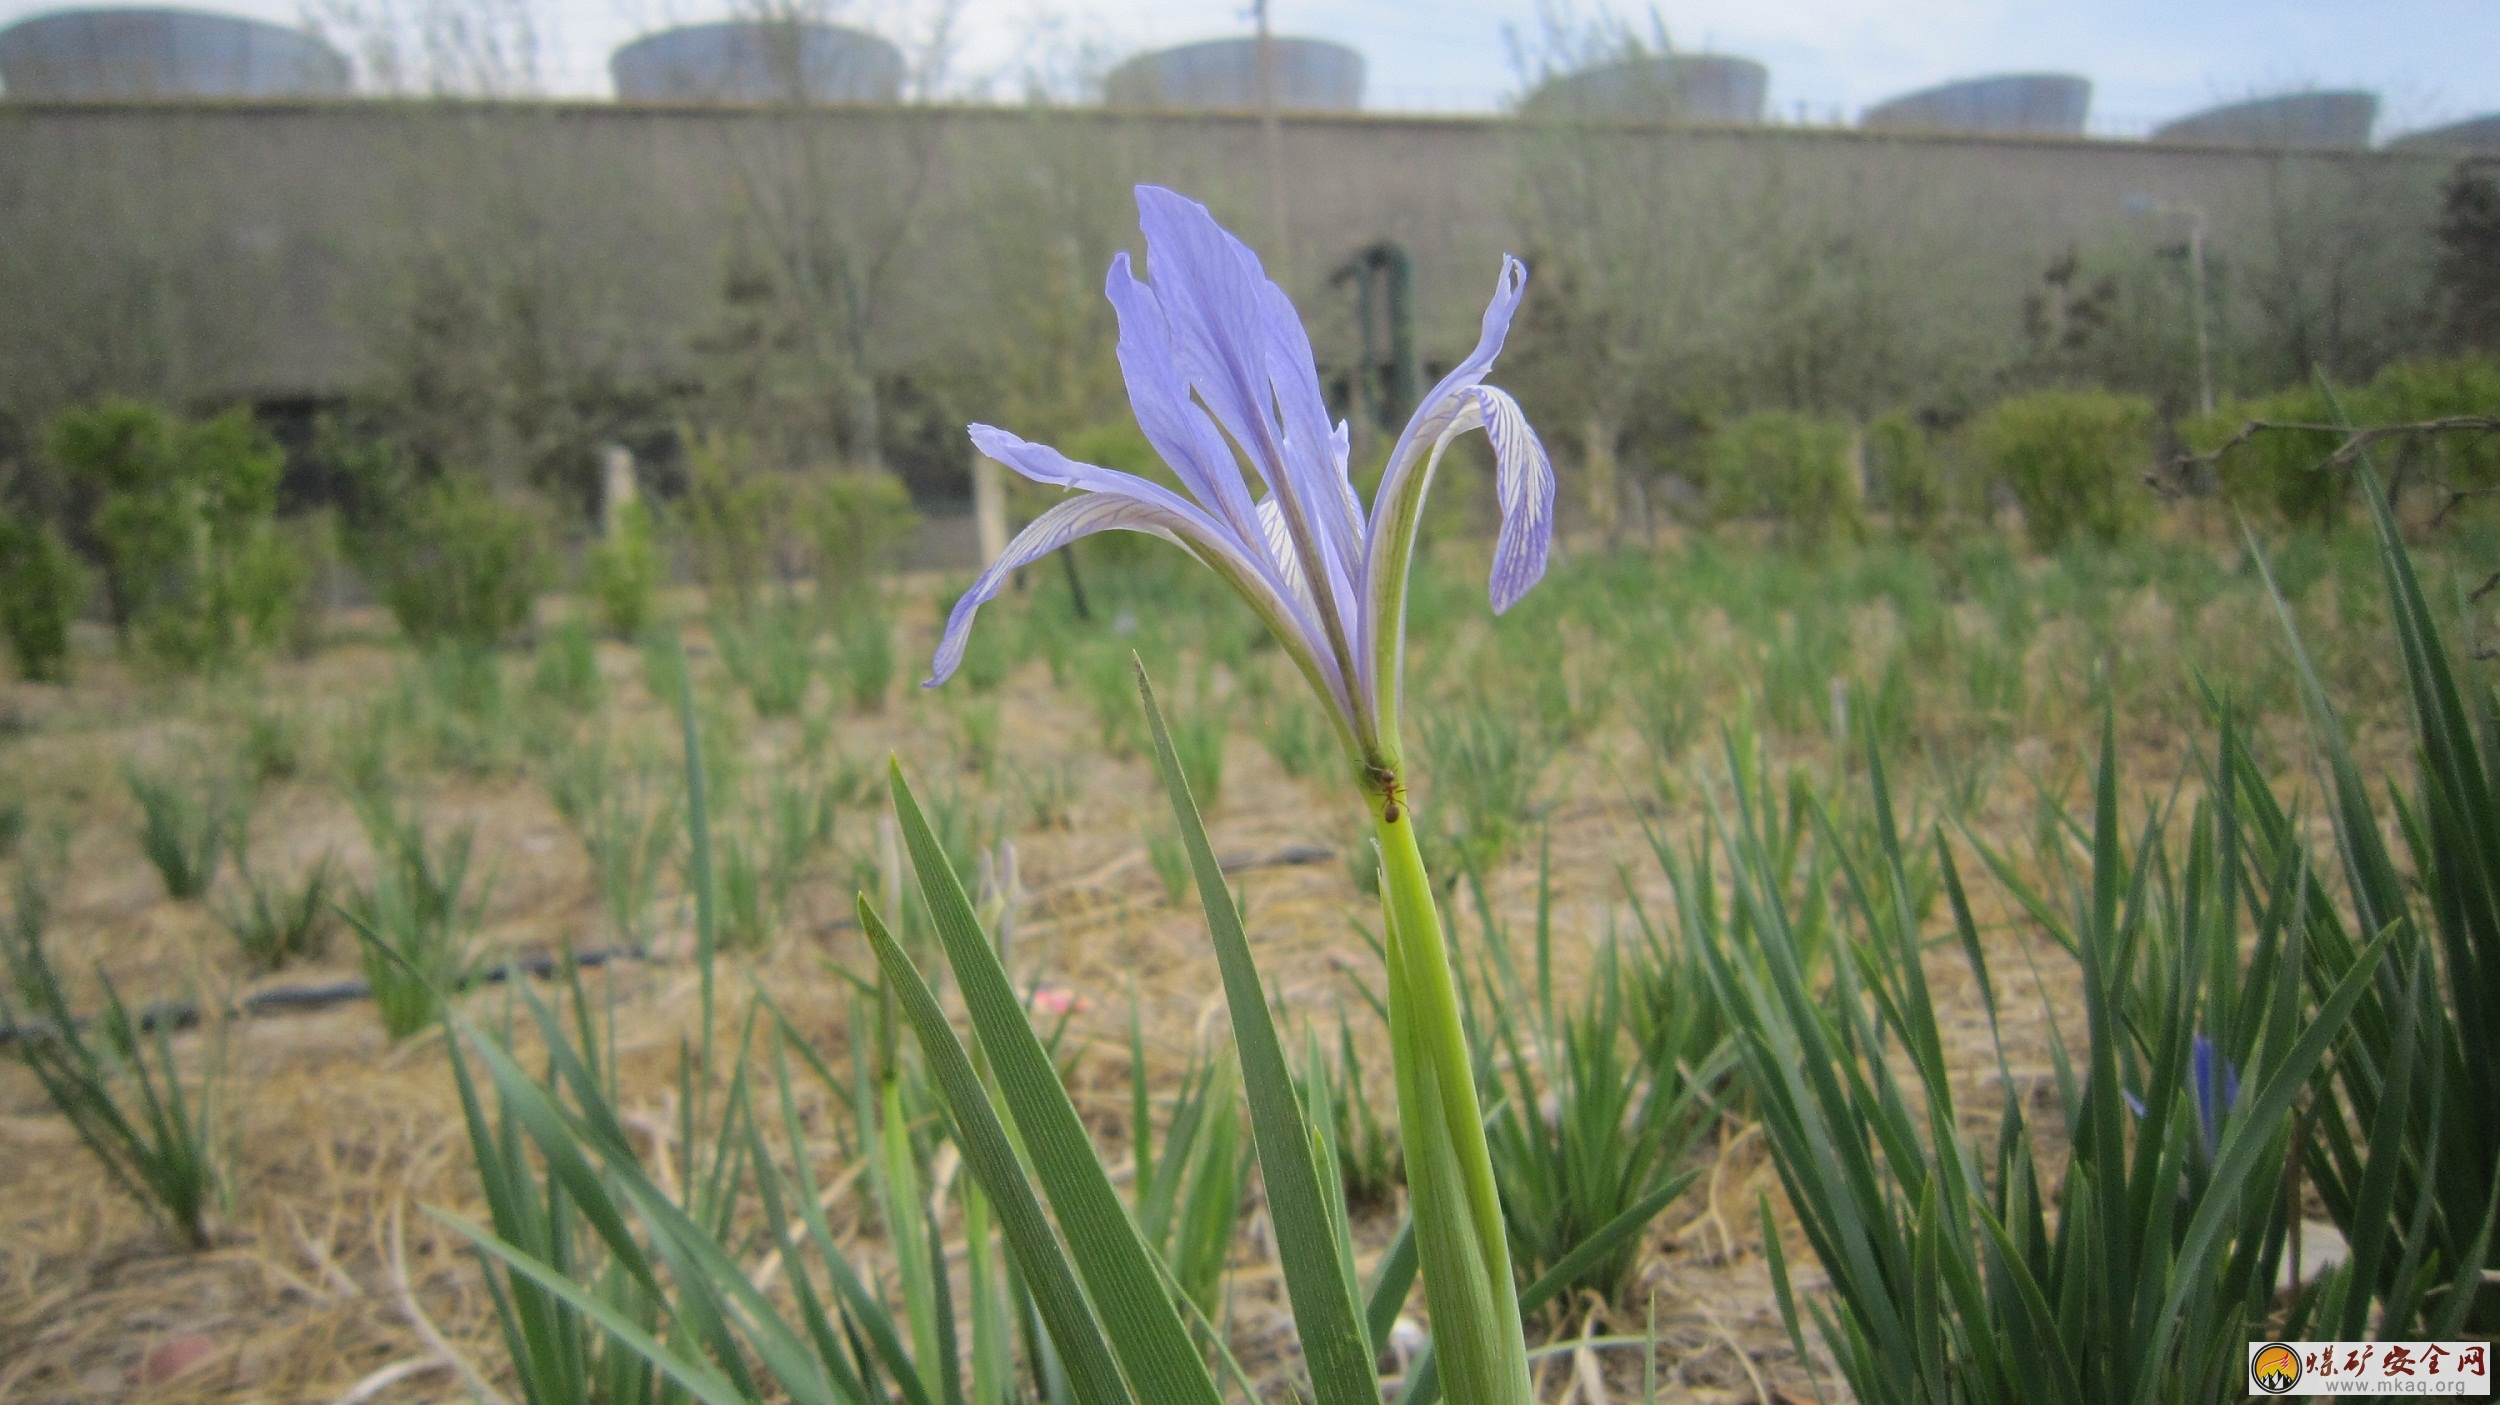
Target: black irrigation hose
(288,999)
(285,999)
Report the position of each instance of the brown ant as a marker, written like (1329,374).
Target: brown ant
(1386,781)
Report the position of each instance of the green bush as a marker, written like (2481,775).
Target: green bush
(2072,458)
(460,565)
(185,518)
(2276,475)
(625,572)
(1791,468)
(2429,390)
(1904,475)
(2280,474)
(39,590)
(730,511)
(161,1138)
(862,521)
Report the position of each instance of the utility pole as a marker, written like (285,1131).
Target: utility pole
(2196,290)
(2195,217)
(1272,135)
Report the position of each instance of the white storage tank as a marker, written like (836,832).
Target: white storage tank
(1716,88)
(2338,119)
(2475,136)
(2003,105)
(1311,75)
(164,53)
(758,61)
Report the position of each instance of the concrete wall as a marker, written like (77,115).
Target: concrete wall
(270,249)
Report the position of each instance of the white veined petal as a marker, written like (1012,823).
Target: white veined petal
(1066,522)
(1280,552)
(1342,447)
(1523,485)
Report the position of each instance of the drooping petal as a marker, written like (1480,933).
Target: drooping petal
(1523,485)
(1145,506)
(1062,524)
(1523,482)
(1044,464)
(1447,399)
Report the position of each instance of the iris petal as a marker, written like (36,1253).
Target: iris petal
(1523,484)
(1158,394)
(1062,524)
(1220,370)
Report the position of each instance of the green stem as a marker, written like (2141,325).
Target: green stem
(1458,1212)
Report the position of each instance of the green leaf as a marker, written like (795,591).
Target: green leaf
(699,1379)
(1309,1239)
(2249,1135)
(1070,1319)
(1144,1327)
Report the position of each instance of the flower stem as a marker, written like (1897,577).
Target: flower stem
(1477,1337)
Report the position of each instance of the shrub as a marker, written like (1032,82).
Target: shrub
(2276,475)
(625,571)
(1788,467)
(2071,458)
(567,671)
(1904,476)
(2430,390)
(862,521)
(185,830)
(417,919)
(124,1094)
(1581,1138)
(2281,474)
(39,590)
(863,650)
(729,513)
(184,515)
(277,924)
(773,656)
(461,565)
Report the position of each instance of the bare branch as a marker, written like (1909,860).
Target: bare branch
(2356,437)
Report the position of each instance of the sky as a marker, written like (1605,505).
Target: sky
(2150,60)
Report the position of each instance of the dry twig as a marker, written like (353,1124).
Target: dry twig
(478,1386)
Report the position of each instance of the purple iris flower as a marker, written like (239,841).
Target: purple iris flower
(2215,1096)
(1220,374)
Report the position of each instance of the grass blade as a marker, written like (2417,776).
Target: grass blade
(1073,1328)
(1145,1329)
(1335,1345)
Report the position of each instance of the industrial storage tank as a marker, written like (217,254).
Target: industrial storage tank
(758,61)
(1312,75)
(1662,87)
(164,54)
(2338,119)
(2475,136)
(2012,104)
